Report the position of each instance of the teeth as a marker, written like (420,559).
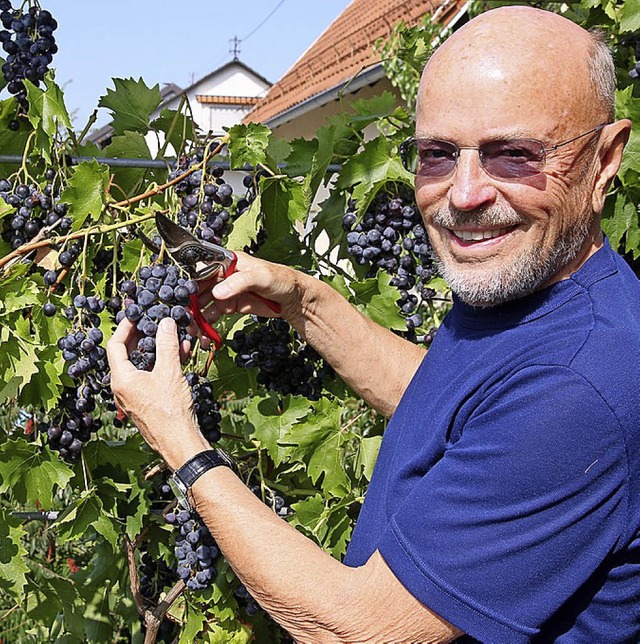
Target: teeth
(479,235)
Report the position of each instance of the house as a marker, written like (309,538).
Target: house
(343,60)
(218,100)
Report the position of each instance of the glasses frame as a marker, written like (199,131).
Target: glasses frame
(545,151)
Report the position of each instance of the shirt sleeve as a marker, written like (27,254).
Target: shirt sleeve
(519,513)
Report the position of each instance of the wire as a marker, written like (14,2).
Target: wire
(265,20)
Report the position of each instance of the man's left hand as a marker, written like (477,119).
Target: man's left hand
(159,401)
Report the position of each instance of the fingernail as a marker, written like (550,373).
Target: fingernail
(221,290)
(167,325)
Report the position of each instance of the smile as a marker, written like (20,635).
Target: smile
(480,235)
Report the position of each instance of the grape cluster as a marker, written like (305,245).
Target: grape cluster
(34,208)
(28,40)
(161,293)
(195,549)
(205,198)
(68,428)
(392,237)
(286,363)
(273,500)
(205,406)
(246,600)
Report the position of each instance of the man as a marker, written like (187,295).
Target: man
(504,504)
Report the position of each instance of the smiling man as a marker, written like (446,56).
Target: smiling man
(505,503)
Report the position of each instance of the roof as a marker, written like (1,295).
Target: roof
(344,50)
(234,62)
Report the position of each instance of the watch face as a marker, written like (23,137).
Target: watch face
(180,492)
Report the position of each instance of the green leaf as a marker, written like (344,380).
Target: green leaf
(630,16)
(19,363)
(367,455)
(376,298)
(12,142)
(130,145)
(47,113)
(131,104)
(13,569)
(32,473)
(376,165)
(177,128)
(248,144)
(245,227)
(117,460)
(47,110)
(318,442)
(283,203)
(623,217)
(87,511)
(270,423)
(310,514)
(86,191)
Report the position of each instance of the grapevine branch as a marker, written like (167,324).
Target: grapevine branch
(99,229)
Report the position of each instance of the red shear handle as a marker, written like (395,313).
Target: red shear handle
(203,325)
(231,269)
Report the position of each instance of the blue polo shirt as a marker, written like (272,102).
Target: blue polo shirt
(506,496)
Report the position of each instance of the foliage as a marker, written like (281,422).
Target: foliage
(75,579)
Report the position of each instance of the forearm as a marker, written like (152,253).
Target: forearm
(313,596)
(372,360)
(297,583)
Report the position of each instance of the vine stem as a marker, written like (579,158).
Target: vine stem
(98,229)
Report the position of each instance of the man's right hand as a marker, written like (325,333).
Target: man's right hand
(354,345)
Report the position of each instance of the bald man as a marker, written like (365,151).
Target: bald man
(504,506)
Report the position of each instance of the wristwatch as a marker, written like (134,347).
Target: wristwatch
(184,477)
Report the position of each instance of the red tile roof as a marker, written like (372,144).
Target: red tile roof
(344,49)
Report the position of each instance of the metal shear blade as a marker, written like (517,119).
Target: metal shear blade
(202,259)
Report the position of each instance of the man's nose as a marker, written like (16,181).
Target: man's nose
(471,187)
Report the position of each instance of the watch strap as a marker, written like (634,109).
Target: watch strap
(195,467)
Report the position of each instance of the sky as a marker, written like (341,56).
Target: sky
(169,42)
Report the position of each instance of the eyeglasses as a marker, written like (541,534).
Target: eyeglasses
(501,159)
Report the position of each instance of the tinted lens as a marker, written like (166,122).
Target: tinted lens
(512,159)
(435,158)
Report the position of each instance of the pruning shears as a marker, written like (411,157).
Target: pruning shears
(202,260)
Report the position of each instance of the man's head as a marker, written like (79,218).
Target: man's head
(503,230)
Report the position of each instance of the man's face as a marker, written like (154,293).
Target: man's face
(500,239)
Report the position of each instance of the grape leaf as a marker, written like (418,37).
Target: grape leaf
(20,363)
(87,511)
(245,227)
(47,110)
(86,191)
(367,455)
(318,443)
(376,298)
(47,113)
(629,16)
(32,473)
(131,104)
(339,531)
(116,459)
(12,142)
(176,127)
(376,165)
(131,145)
(12,556)
(248,145)
(269,423)
(310,515)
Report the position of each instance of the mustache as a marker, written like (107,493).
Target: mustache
(491,216)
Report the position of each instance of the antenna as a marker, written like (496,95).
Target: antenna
(235,47)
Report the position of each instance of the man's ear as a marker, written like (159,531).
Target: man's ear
(614,138)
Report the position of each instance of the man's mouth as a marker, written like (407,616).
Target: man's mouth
(480,235)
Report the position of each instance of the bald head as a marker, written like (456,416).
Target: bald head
(536,60)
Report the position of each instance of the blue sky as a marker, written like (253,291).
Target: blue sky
(165,42)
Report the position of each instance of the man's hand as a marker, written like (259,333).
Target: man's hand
(236,293)
(159,401)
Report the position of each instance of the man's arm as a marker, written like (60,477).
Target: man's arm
(372,360)
(312,595)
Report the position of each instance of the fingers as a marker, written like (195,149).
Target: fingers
(117,353)
(167,347)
